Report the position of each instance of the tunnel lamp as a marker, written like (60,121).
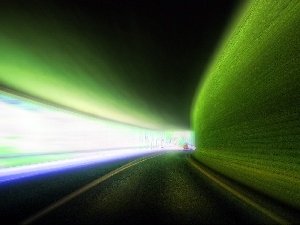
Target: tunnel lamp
(36,138)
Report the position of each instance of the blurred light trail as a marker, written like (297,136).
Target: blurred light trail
(13,173)
(35,139)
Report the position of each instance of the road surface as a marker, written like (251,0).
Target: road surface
(157,189)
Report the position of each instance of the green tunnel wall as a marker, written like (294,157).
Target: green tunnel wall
(246,114)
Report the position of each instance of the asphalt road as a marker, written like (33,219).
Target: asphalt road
(164,189)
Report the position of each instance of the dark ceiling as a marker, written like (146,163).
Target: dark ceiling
(159,49)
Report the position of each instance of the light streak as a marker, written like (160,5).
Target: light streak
(35,139)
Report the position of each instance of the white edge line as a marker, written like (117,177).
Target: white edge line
(247,200)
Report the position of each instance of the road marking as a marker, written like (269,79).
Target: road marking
(238,194)
(76,193)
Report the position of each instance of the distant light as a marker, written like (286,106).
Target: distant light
(36,138)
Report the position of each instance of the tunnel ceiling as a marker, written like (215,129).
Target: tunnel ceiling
(137,62)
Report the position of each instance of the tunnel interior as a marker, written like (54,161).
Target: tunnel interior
(241,101)
(246,113)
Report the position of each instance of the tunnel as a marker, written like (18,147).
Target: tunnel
(246,115)
(72,97)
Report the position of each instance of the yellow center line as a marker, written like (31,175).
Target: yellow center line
(79,191)
(239,195)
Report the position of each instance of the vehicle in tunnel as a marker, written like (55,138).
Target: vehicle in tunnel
(245,112)
(188,147)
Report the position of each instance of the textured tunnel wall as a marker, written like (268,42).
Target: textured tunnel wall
(247,111)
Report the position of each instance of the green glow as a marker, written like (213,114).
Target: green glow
(63,68)
(246,114)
